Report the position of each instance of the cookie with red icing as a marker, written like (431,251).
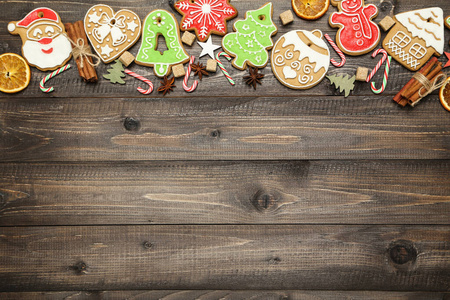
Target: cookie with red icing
(205,16)
(45,44)
(357,33)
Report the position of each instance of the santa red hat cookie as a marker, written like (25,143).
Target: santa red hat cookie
(44,41)
(416,36)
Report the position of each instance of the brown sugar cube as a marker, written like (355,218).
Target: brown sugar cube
(286,17)
(211,65)
(387,23)
(126,58)
(361,73)
(178,70)
(188,38)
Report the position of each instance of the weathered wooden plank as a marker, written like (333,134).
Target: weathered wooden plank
(224,295)
(233,128)
(70,85)
(396,258)
(316,192)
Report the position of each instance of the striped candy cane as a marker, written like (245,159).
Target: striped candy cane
(385,78)
(53,74)
(186,78)
(227,75)
(378,66)
(143,79)
(338,51)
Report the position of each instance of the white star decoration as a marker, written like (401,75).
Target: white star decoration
(132,26)
(94,18)
(208,48)
(107,50)
(245,27)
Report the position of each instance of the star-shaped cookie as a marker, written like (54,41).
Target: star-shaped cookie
(205,16)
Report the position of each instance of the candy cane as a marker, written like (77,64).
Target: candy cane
(186,78)
(338,51)
(218,55)
(143,79)
(378,66)
(53,74)
(385,78)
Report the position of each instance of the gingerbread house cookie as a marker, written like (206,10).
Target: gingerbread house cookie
(416,36)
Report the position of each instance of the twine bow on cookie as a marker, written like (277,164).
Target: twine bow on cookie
(428,85)
(82,51)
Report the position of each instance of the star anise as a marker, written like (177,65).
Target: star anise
(254,77)
(199,70)
(167,85)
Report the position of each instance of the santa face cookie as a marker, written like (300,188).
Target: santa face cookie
(205,16)
(110,33)
(161,22)
(45,45)
(416,36)
(300,59)
(357,33)
(252,39)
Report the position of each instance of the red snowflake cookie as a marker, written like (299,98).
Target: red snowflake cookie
(205,16)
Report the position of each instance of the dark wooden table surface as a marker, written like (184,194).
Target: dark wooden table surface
(225,193)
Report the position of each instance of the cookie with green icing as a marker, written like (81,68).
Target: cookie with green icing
(161,22)
(250,43)
(447,22)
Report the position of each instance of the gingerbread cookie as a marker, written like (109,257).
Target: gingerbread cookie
(300,59)
(416,36)
(357,33)
(44,41)
(447,22)
(111,33)
(161,22)
(252,39)
(205,16)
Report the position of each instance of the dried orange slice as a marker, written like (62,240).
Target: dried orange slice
(310,9)
(444,94)
(15,73)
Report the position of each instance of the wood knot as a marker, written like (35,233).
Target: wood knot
(274,260)
(265,201)
(147,245)
(385,6)
(131,124)
(80,268)
(215,134)
(402,252)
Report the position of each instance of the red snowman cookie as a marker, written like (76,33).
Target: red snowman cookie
(45,45)
(357,33)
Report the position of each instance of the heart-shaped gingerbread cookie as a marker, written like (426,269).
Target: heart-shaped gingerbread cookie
(111,33)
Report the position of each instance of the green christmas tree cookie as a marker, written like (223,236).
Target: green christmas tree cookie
(115,73)
(344,83)
(252,39)
(161,22)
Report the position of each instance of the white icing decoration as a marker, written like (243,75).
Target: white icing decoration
(434,30)
(11,27)
(322,61)
(289,73)
(106,50)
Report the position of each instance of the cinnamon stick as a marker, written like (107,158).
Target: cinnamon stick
(417,85)
(92,74)
(416,95)
(425,69)
(71,33)
(87,72)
